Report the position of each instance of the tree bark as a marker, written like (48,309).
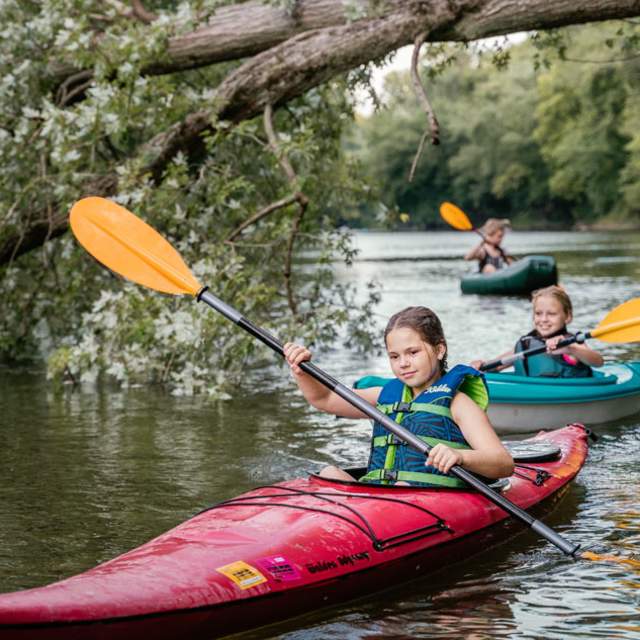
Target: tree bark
(295,52)
(248,28)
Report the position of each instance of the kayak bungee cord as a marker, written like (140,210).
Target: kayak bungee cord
(379,544)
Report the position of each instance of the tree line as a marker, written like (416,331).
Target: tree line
(546,132)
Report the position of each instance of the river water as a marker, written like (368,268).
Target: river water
(87,474)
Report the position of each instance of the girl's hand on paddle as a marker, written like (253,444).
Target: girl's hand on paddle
(295,354)
(443,458)
(552,345)
(476,364)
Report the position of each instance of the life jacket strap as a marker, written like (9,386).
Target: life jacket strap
(391,439)
(393,475)
(413,407)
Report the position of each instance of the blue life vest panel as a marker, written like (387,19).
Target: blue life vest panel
(428,416)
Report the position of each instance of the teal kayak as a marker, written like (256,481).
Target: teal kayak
(521,404)
(522,277)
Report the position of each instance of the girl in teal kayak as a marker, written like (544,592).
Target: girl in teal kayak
(552,312)
(489,254)
(444,408)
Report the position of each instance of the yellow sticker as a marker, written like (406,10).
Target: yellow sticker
(243,574)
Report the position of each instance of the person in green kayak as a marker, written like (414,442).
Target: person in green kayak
(444,408)
(552,312)
(489,254)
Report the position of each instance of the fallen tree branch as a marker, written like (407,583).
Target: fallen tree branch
(421,93)
(248,28)
(303,50)
(300,197)
(141,13)
(274,206)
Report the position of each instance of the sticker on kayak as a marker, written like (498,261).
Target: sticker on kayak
(243,574)
(279,568)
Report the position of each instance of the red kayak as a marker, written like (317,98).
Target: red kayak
(279,551)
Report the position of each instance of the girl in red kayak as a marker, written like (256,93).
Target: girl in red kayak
(552,312)
(444,408)
(489,254)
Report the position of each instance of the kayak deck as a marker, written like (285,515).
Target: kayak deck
(278,551)
(521,404)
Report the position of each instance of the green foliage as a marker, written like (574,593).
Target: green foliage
(580,126)
(59,304)
(545,132)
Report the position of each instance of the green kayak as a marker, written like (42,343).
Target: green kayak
(522,277)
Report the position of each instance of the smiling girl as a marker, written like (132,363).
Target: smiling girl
(552,312)
(444,408)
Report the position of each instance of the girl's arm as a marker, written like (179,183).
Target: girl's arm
(477,253)
(586,354)
(476,364)
(317,394)
(580,351)
(487,455)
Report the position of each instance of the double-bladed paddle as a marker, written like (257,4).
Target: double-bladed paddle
(622,324)
(127,245)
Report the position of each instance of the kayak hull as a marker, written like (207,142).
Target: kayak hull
(519,404)
(520,278)
(280,551)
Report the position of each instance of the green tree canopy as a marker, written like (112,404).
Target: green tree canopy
(167,108)
(548,137)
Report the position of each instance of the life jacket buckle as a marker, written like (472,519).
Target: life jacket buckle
(402,407)
(390,474)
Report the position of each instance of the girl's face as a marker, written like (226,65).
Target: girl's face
(496,237)
(413,360)
(549,316)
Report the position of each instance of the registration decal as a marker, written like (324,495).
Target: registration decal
(279,568)
(243,574)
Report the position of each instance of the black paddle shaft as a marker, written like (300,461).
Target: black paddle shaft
(369,410)
(521,355)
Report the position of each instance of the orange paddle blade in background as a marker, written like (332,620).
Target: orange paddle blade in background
(620,325)
(455,216)
(125,244)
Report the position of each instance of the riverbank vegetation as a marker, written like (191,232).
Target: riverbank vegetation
(546,132)
(222,125)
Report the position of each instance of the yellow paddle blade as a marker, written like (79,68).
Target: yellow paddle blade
(455,216)
(590,555)
(620,325)
(127,245)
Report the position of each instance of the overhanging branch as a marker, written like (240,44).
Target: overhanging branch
(294,53)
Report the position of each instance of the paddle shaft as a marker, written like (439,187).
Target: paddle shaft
(369,410)
(521,355)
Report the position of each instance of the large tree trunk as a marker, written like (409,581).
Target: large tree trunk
(293,53)
(246,29)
